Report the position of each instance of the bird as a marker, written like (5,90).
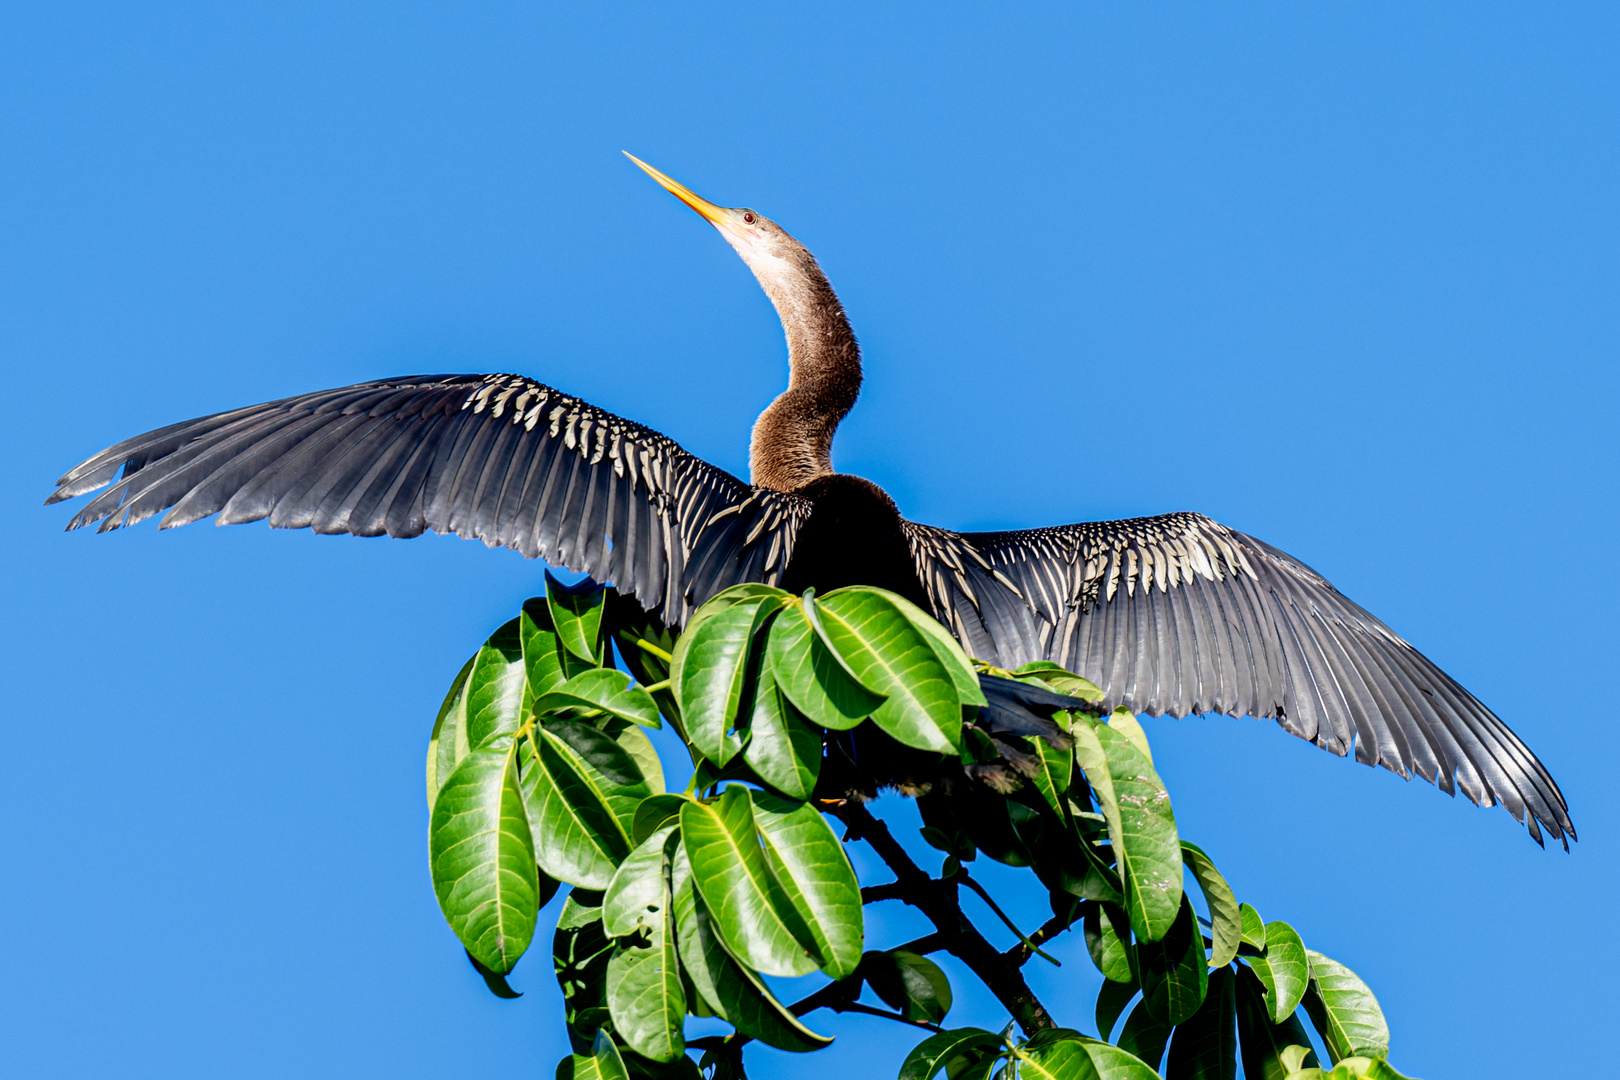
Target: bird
(1173,614)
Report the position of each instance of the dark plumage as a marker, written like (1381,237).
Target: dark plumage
(1174,614)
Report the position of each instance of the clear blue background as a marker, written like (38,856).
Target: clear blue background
(1341,276)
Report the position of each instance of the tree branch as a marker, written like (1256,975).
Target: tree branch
(937,900)
(1019,954)
(874,893)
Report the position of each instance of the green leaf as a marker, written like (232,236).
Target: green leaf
(1261,1041)
(1144,1035)
(1344,1011)
(581,839)
(1051,778)
(1108,950)
(1060,679)
(632,739)
(653,813)
(576,614)
(495,687)
(912,985)
(1061,1059)
(448,744)
(1111,1002)
(542,652)
(494,980)
(783,747)
(645,997)
(611,757)
(729,990)
(1226,923)
(579,955)
(482,857)
(1173,970)
(808,862)
(634,901)
(711,671)
(729,870)
(812,676)
(1141,825)
(965,679)
(951,1051)
(1283,969)
(1113,1063)
(602,1063)
(890,656)
(1254,930)
(1205,1046)
(1125,722)
(602,690)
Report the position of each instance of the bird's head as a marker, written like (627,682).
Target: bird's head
(765,246)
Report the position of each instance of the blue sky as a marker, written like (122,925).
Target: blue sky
(1340,276)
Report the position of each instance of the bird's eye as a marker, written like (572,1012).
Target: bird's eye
(748,217)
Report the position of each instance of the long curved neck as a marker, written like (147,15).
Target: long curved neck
(792,440)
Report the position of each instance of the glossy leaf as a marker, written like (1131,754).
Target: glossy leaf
(1173,970)
(602,1063)
(494,980)
(1344,1011)
(950,1051)
(1260,1041)
(602,690)
(1144,1035)
(1205,1046)
(1113,1063)
(1141,826)
(576,616)
(542,652)
(1111,1001)
(482,857)
(729,871)
(645,997)
(1283,970)
(632,739)
(912,985)
(1225,920)
(1051,777)
(1061,1059)
(946,648)
(495,687)
(579,956)
(783,748)
(812,676)
(1254,929)
(580,839)
(730,991)
(808,862)
(448,743)
(1125,722)
(609,754)
(634,901)
(711,671)
(653,813)
(1109,951)
(890,656)
(1060,679)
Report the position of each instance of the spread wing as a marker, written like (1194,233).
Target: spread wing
(497,457)
(1178,614)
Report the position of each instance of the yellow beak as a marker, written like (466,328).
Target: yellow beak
(714,215)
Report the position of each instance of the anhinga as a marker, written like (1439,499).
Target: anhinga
(1172,614)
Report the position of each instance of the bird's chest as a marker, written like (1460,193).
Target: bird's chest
(852,537)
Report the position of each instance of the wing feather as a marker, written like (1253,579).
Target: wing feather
(1178,615)
(500,458)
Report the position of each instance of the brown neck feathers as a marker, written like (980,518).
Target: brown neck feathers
(792,440)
